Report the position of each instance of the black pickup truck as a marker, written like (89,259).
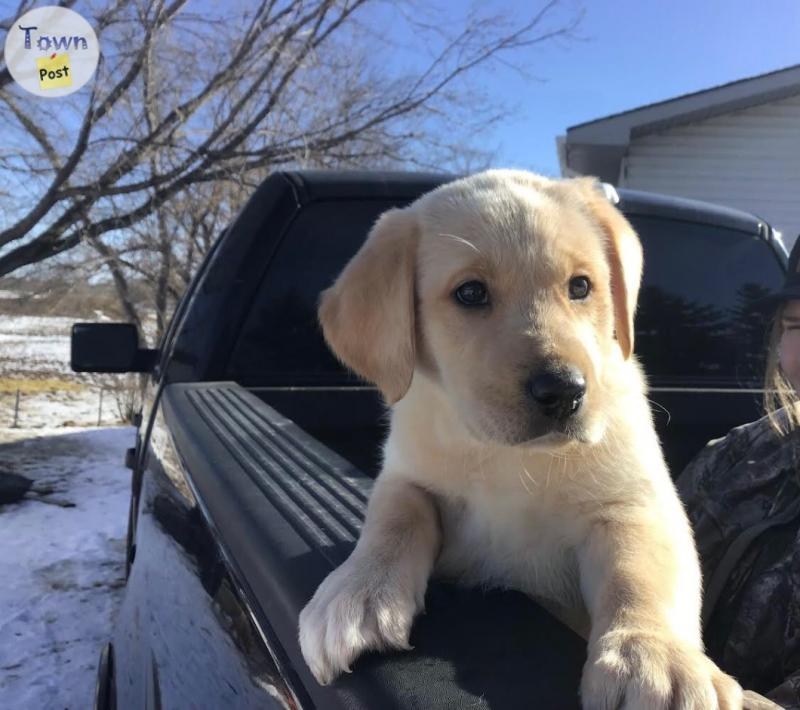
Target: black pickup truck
(256,451)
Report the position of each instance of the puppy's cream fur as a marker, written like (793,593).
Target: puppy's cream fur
(477,483)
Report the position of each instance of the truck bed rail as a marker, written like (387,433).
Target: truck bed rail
(285,511)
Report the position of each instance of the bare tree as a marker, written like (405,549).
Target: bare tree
(162,251)
(190,109)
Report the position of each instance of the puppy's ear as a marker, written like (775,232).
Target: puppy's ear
(624,253)
(367,316)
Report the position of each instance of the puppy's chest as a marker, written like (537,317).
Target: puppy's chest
(508,544)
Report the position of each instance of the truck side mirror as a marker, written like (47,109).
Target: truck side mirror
(109,347)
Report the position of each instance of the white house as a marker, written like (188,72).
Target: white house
(737,144)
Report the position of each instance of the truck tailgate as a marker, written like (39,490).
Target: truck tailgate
(285,510)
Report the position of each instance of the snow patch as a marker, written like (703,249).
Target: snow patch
(62,567)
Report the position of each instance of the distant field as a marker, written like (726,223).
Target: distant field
(34,347)
(34,360)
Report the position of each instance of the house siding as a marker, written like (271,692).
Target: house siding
(748,159)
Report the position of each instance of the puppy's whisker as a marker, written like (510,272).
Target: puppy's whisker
(662,408)
(480,461)
(524,485)
(592,473)
(460,240)
(527,475)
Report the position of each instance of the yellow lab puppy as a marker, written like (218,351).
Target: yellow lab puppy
(495,314)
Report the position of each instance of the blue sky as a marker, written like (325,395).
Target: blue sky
(630,53)
(636,52)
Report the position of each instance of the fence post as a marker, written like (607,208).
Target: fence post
(16,411)
(100,408)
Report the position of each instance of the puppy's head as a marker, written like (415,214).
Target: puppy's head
(512,293)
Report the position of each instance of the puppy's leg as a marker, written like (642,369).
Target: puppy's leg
(640,582)
(371,600)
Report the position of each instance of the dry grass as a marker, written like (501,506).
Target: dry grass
(28,385)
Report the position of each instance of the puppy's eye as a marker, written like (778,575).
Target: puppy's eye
(472,293)
(579,287)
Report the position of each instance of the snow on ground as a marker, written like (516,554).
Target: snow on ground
(62,557)
(62,567)
(59,408)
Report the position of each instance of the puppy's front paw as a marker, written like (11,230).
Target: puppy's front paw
(651,671)
(357,608)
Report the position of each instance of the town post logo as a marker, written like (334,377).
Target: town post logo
(51,51)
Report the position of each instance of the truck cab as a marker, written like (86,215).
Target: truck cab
(256,454)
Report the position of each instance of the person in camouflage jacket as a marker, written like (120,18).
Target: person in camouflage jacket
(742,495)
(736,483)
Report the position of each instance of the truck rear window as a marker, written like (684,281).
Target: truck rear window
(699,322)
(701,318)
(281,343)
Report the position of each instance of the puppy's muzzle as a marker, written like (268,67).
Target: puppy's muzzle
(558,393)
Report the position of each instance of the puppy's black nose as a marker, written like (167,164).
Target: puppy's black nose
(558,393)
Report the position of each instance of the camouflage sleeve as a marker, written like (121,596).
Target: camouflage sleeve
(754,701)
(709,467)
(714,484)
(688,482)
(728,487)
(698,492)
(787,694)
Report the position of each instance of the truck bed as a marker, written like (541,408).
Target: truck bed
(285,510)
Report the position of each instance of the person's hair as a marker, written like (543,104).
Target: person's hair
(780,397)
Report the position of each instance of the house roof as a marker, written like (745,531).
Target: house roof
(596,147)
(716,100)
